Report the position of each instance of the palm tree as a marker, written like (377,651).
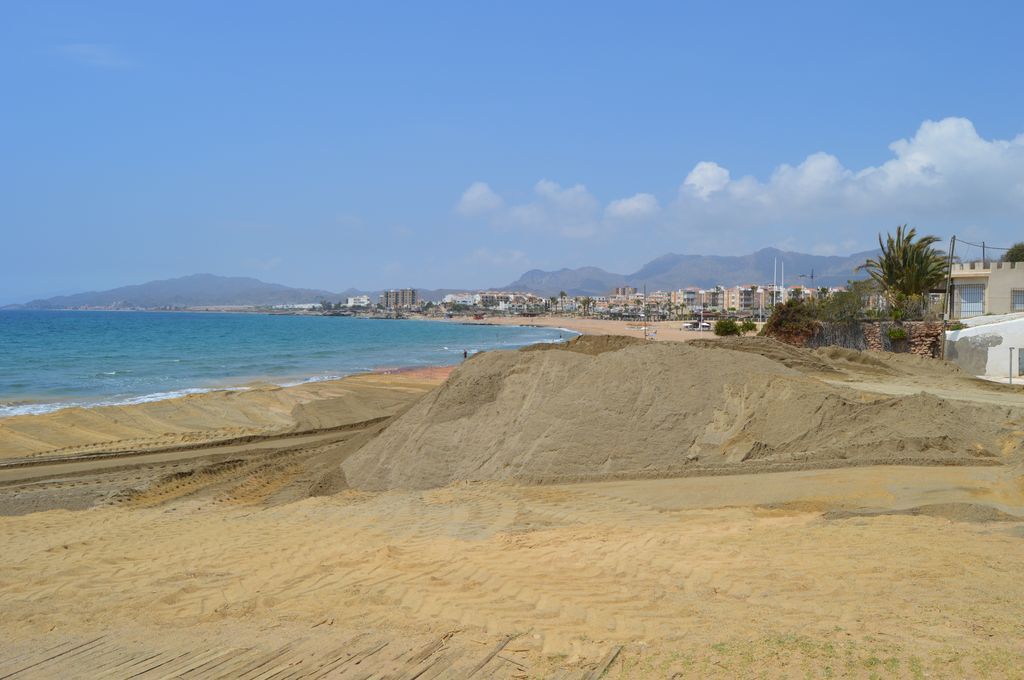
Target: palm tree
(907,267)
(587,303)
(561,301)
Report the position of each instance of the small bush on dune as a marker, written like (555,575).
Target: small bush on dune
(748,326)
(727,327)
(793,322)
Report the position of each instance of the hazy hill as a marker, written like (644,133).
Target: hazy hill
(672,271)
(667,272)
(190,291)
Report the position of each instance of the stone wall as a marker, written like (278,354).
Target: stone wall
(924,338)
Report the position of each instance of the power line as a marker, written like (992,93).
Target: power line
(980,245)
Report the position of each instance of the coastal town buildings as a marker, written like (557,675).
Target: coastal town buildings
(744,301)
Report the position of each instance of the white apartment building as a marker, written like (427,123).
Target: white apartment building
(460,299)
(358,301)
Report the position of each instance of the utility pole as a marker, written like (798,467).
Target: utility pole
(948,312)
(814,291)
(643,311)
(775,281)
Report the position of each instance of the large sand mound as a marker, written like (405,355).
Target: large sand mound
(627,409)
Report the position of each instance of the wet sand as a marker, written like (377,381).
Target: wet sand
(201,419)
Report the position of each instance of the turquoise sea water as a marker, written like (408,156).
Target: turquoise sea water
(50,360)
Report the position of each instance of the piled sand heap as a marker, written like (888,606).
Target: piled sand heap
(608,407)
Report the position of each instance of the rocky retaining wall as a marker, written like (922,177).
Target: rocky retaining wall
(924,338)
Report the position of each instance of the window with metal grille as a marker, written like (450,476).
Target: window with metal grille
(1017,300)
(971,297)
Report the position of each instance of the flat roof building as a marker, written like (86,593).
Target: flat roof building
(987,287)
(401,298)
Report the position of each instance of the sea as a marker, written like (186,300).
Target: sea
(56,359)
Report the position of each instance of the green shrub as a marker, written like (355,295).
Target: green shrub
(897,334)
(956,326)
(727,327)
(844,306)
(793,322)
(748,326)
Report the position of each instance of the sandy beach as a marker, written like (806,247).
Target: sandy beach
(195,552)
(199,419)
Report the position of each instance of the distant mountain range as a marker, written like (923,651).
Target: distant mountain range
(667,272)
(670,272)
(189,291)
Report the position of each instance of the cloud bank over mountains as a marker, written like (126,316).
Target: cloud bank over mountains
(946,178)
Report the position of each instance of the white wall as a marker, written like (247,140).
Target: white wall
(969,346)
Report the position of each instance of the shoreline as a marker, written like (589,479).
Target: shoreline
(16,406)
(209,417)
(34,408)
(664,330)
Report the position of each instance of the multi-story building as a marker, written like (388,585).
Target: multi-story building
(745,298)
(987,288)
(358,301)
(714,298)
(491,298)
(691,298)
(751,298)
(460,299)
(658,297)
(402,298)
(624,291)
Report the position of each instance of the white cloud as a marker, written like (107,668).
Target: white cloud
(477,200)
(946,169)
(944,179)
(705,179)
(569,211)
(102,56)
(636,207)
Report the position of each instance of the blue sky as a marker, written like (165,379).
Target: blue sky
(459,144)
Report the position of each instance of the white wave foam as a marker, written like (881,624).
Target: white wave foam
(313,379)
(7,410)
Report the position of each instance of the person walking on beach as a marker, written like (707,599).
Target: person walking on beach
(465,355)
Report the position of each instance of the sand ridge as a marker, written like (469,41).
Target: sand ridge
(603,408)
